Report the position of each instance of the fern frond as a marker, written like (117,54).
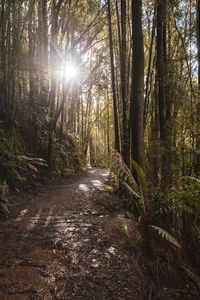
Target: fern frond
(191,178)
(166,235)
(130,190)
(34,160)
(4,203)
(187,209)
(140,173)
(4,207)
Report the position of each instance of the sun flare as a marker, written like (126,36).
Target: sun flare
(70,72)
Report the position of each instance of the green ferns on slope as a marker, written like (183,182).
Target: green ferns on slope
(136,189)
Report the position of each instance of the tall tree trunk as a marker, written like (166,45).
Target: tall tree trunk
(197,158)
(3,74)
(108,124)
(117,146)
(161,70)
(198,42)
(73,103)
(44,91)
(54,59)
(153,150)
(125,139)
(32,75)
(148,81)
(31,53)
(137,88)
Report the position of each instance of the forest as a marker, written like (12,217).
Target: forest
(112,83)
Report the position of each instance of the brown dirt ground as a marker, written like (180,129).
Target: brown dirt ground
(62,244)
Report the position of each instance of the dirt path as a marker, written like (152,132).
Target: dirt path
(54,246)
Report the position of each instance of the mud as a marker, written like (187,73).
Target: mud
(59,244)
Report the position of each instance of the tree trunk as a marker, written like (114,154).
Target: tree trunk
(147,92)
(197,156)
(137,88)
(125,138)
(117,147)
(3,74)
(54,59)
(108,125)
(44,92)
(161,70)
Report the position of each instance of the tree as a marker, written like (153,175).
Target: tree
(117,146)
(137,88)
(197,158)
(123,65)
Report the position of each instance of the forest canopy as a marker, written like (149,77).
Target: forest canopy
(105,74)
(98,76)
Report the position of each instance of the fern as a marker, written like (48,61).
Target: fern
(33,160)
(124,174)
(140,173)
(191,179)
(166,235)
(3,202)
(130,190)
(4,207)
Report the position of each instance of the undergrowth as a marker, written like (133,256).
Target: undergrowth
(137,204)
(21,169)
(169,223)
(4,203)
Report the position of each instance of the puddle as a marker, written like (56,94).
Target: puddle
(76,244)
(74,257)
(121,214)
(97,183)
(94,251)
(83,187)
(112,250)
(107,255)
(95,264)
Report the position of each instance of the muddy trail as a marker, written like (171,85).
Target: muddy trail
(62,244)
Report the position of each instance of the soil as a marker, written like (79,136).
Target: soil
(61,243)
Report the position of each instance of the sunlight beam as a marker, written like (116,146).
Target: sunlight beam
(70,72)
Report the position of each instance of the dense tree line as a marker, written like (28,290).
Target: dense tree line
(39,37)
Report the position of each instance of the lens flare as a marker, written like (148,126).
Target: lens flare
(70,72)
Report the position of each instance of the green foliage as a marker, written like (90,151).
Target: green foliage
(15,167)
(140,174)
(3,204)
(166,235)
(126,179)
(179,211)
(190,191)
(186,200)
(3,201)
(136,192)
(67,158)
